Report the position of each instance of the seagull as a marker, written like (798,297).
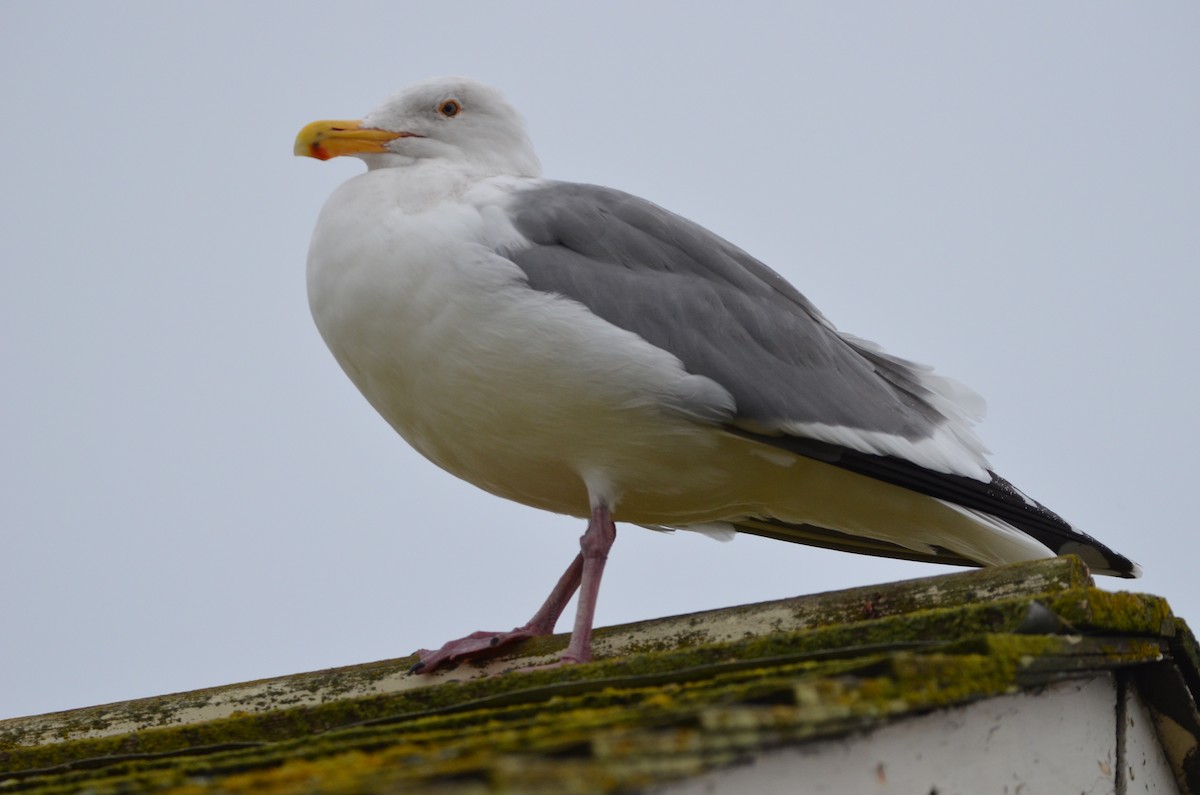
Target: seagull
(581,350)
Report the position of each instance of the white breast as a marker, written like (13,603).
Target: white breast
(525,394)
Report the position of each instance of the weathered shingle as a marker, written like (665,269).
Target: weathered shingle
(668,699)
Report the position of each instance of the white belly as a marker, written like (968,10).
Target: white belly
(525,394)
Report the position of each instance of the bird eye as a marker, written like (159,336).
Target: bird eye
(449,108)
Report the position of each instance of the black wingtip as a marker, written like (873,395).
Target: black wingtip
(1126,569)
(997,498)
(1098,557)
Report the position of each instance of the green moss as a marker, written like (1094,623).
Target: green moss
(850,640)
(787,701)
(1092,609)
(665,710)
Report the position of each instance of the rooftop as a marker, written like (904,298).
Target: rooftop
(666,700)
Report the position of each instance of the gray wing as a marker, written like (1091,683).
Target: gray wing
(723,313)
(727,316)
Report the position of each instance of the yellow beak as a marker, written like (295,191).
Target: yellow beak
(326,139)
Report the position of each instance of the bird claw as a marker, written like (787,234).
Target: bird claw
(477,644)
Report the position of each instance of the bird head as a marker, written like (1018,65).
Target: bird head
(455,120)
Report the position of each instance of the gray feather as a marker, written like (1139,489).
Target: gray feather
(724,314)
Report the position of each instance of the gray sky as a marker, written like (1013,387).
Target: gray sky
(194,494)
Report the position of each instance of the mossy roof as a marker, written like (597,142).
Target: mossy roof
(666,700)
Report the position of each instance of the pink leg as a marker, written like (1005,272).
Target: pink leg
(483,643)
(594,545)
(546,617)
(583,575)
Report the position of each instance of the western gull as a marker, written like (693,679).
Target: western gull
(584,351)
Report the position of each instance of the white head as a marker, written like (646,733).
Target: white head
(454,120)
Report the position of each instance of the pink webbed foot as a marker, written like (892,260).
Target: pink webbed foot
(473,646)
(583,575)
(484,644)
